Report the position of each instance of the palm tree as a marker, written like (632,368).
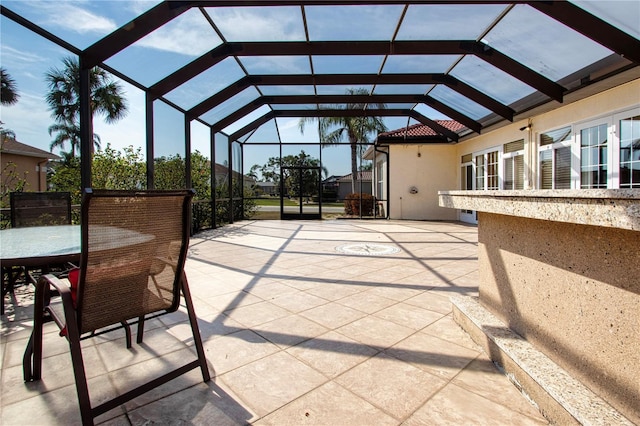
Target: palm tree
(8,96)
(107,98)
(68,133)
(334,130)
(8,89)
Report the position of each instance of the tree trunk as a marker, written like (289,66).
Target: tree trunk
(354,165)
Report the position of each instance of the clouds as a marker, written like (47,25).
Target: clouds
(78,19)
(188,34)
(9,54)
(131,129)
(276,64)
(259,23)
(29,119)
(69,16)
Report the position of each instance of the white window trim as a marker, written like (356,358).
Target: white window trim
(466,215)
(506,156)
(611,119)
(484,152)
(473,173)
(571,143)
(615,137)
(576,152)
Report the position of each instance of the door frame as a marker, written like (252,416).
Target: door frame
(300,215)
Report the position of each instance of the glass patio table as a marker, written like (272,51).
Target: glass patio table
(36,247)
(39,246)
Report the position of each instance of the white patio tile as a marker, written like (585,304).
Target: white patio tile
(295,333)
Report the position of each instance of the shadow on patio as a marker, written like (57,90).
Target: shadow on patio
(295,332)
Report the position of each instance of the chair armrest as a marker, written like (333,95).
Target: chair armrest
(63,289)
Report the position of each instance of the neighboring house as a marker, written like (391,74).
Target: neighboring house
(268,188)
(221,174)
(31,163)
(331,183)
(592,142)
(363,184)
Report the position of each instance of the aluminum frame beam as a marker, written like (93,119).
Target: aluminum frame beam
(450,135)
(440,47)
(342,79)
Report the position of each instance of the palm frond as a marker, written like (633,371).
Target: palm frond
(8,89)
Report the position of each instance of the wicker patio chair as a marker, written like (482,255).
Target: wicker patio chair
(40,208)
(34,209)
(134,246)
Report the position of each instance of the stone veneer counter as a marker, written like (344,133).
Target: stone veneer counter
(561,268)
(615,208)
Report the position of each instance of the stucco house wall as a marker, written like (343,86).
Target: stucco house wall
(30,163)
(428,168)
(604,104)
(439,166)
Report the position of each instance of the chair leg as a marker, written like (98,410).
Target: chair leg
(5,286)
(195,329)
(27,361)
(82,389)
(32,360)
(8,285)
(127,332)
(140,329)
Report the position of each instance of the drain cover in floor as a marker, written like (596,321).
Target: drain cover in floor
(367,249)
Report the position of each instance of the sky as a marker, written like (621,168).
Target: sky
(27,58)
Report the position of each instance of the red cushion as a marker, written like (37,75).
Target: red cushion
(74,275)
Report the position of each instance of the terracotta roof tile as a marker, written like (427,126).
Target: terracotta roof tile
(421,130)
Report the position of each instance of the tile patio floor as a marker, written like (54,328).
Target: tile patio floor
(295,333)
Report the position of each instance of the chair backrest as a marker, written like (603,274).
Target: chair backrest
(134,245)
(40,208)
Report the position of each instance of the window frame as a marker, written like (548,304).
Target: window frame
(511,156)
(466,215)
(610,146)
(499,173)
(553,147)
(612,120)
(617,117)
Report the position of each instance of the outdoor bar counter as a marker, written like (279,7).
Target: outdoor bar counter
(559,289)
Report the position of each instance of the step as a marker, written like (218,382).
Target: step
(561,398)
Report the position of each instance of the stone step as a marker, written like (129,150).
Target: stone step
(561,398)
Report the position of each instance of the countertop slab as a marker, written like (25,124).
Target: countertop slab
(615,208)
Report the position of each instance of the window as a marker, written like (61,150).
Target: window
(555,159)
(380,180)
(480,171)
(630,152)
(492,170)
(600,153)
(594,145)
(466,183)
(487,170)
(466,172)
(513,159)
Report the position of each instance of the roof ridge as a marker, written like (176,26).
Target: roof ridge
(13,146)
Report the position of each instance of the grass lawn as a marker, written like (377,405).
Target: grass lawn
(287,202)
(274,202)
